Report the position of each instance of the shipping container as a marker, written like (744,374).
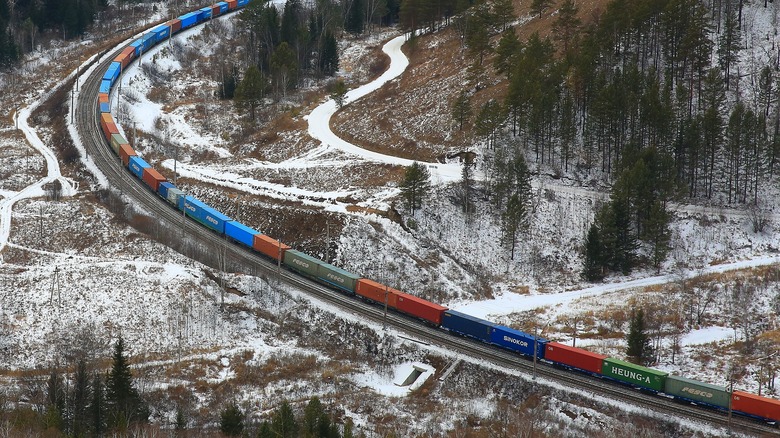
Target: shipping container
(574,357)
(269,246)
(137,46)
(175,25)
(112,73)
(153,178)
(467,325)
(302,262)
(695,391)
(204,14)
(189,20)
(232,4)
(107,125)
(137,166)
(103,98)
(174,194)
(378,292)
(420,308)
(240,232)
(337,277)
(163,188)
(634,375)
(755,405)
(516,340)
(126,57)
(215,11)
(105,108)
(203,213)
(105,86)
(125,152)
(161,32)
(116,143)
(149,40)
(242,3)
(223,7)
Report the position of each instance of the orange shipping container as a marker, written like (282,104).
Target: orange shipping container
(125,152)
(108,126)
(215,10)
(103,98)
(755,405)
(126,57)
(175,25)
(420,308)
(232,4)
(268,246)
(376,292)
(153,178)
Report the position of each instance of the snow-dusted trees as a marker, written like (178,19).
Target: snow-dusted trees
(251,91)
(231,420)
(124,405)
(415,186)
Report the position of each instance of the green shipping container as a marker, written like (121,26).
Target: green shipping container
(116,141)
(697,391)
(302,262)
(337,277)
(634,374)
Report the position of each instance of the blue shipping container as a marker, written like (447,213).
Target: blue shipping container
(149,40)
(242,3)
(138,46)
(189,20)
(240,232)
(105,86)
(204,214)
(223,7)
(518,341)
(204,14)
(161,32)
(113,72)
(105,107)
(163,188)
(467,325)
(137,166)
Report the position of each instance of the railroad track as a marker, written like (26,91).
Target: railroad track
(249,262)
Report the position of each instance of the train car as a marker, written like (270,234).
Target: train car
(467,325)
(240,232)
(148,41)
(232,4)
(188,20)
(126,152)
(137,166)
(108,126)
(242,3)
(204,14)
(175,25)
(575,358)
(216,11)
(112,73)
(105,86)
(377,292)
(697,392)
(223,7)
(125,57)
(163,188)
(104,105)
(117,140)
(518,341)
(170,192)
(302,262)
(153,178)
(203,213)
(635,375)
(337,277)
(420,308)
(755,405)
(269,246)
(137,46)
(161,32)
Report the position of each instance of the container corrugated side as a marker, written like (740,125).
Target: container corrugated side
(636,375)
(467,325)
(125,152)
(302,262)
(755,405)
(269,246)
(517,341)
(116,143)
(137,166)
(232,4)
(420,308)
(163,188)
(378,292)
(338,277)
(574,357)
(240,232)
(697,391)
(153,178)
(189,20)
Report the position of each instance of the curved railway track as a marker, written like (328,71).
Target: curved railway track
(250,262)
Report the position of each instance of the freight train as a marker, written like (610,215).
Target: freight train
(530,346)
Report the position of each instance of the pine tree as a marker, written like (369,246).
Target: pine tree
(329,61)
(515,220)
(539,6)
(339,93)
(265,431)
(729,45)
(504,13)
(461,109)
(231,420)
(284,68)
(80,398)
(283,423)
(594,255)
(97,407)
(467,182)
(638,350)
(489,120)
(508,51)
(55,401)
(251,91)
(355,21)
(567,25)
(122,400)
(415,186)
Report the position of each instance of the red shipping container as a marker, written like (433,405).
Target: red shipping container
(153,178)
(125,152)
(175,25)
(232,4)
(102,98)
(376,292)
(215,10)
(420,308)
(268,246)
(125,57)
(574,357)
(107,125)
(755,405)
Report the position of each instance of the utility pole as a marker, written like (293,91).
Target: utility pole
(327,241)
(384,319)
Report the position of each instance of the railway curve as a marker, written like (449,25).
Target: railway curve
(104,159)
